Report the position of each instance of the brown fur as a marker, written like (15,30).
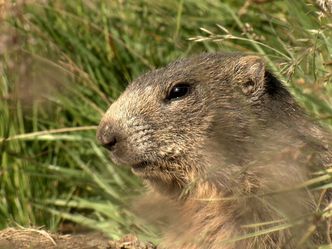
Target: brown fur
(230,154)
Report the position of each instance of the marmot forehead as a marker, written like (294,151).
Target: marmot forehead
(188,68)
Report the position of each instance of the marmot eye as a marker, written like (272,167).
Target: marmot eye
(178,91)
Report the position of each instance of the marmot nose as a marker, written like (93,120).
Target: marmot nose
(110,143)
(106,136)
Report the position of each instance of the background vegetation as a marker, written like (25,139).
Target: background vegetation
(64,62)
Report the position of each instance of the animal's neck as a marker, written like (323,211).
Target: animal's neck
(218,220)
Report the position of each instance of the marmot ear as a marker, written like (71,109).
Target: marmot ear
(250,75)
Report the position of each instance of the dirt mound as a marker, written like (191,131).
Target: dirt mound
(35,239)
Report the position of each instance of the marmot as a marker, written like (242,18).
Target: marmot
(219,136)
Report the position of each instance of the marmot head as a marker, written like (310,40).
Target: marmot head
(162,121)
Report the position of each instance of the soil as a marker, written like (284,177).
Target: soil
(11,238)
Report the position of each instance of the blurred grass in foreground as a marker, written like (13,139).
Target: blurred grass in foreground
(68,60)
